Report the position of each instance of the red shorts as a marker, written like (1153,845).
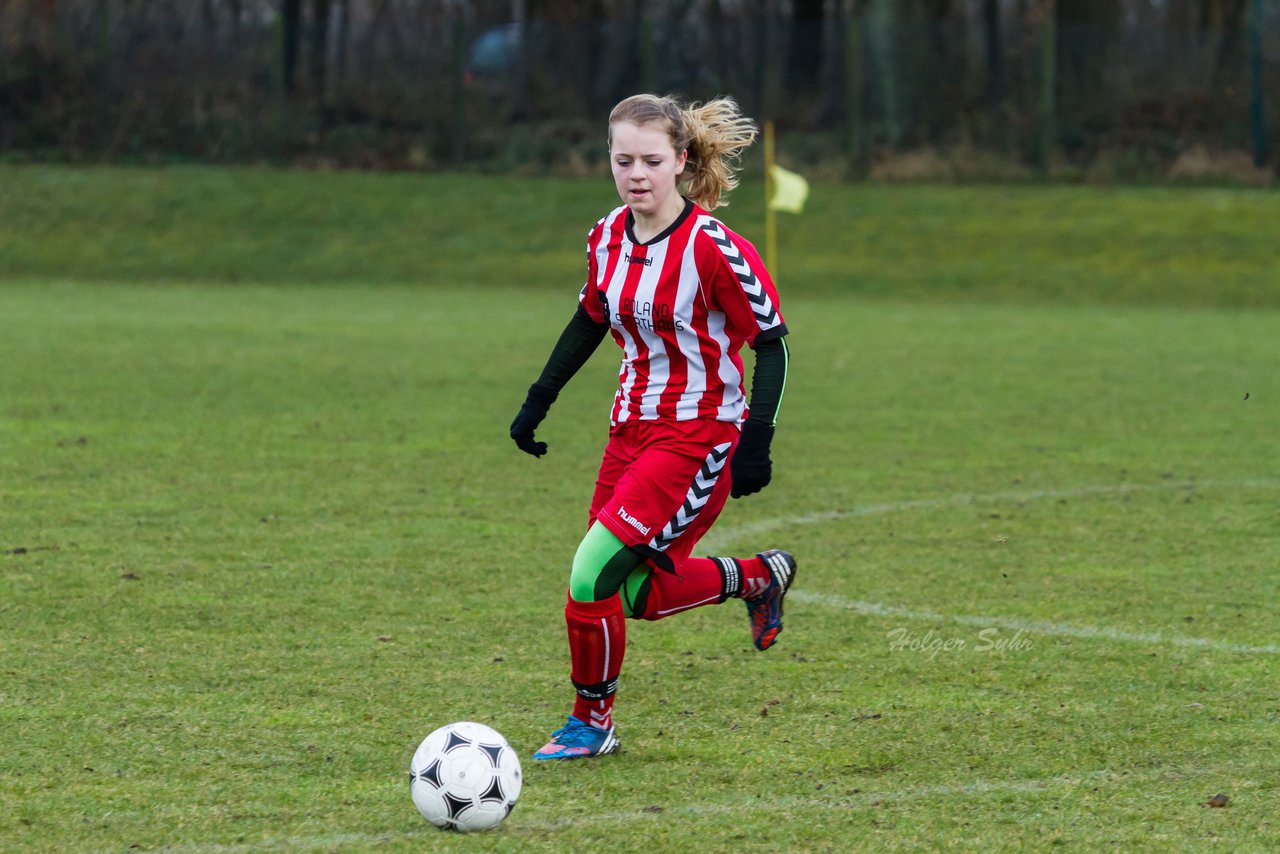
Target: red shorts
(662,484)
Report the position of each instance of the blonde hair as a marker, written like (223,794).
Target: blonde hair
(714,134)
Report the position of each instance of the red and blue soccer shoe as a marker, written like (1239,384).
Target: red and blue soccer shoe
(765,609)
(578,740)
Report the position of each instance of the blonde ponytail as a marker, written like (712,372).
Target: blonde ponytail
(714,134)
(717,135)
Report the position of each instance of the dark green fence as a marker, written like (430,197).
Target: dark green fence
(992,87)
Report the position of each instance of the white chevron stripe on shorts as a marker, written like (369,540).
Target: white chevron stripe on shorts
(704,483)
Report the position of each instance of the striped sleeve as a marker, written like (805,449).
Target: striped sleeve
(741,286)
(589,297)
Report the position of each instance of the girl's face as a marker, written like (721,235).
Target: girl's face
(645,167)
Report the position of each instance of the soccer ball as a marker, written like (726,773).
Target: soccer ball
(464,777)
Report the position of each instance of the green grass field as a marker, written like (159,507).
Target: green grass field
(261,527)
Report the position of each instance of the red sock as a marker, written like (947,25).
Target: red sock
(702,581)
(697,581)
(756,576)
(597,641)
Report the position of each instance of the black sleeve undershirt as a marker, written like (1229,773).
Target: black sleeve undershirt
(768,380)
(577,342)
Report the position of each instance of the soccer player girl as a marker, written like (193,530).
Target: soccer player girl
(681,294)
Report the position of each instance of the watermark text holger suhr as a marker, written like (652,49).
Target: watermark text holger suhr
(931,644)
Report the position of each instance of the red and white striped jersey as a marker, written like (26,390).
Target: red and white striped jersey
(680,306)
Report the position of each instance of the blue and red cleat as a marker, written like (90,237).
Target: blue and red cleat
(578,740)
(765,609)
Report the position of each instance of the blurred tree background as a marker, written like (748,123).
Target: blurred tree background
(889,89)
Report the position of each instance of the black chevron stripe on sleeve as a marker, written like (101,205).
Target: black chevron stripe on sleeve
(761,306)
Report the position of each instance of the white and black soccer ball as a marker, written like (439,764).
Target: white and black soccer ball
(464,777)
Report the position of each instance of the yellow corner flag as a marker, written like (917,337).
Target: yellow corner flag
(789,190)
(783,191)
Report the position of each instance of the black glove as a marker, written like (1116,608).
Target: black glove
(530,416)
(751,467)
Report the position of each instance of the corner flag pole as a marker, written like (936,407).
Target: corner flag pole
(770,223)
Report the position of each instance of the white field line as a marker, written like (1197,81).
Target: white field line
(681,809)
(1017,624)
(298,843)
(718,539)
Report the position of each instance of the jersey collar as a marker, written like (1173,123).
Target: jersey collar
(667,232)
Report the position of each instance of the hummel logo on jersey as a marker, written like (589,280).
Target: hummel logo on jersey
(632,521)
(648,262)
